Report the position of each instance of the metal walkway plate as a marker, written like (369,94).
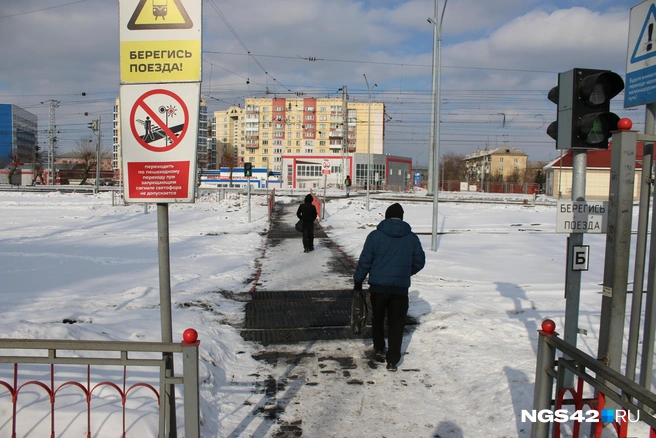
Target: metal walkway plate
(292,336)
(299,309)
(296,316)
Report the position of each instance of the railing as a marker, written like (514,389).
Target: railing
(272,203)
(608,384)
(60,362)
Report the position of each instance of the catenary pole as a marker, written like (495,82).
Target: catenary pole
(436,123)
(432,21)
(368,141)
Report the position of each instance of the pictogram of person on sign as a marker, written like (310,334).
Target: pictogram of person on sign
(148,127)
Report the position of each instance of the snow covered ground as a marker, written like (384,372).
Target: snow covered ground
(469,364)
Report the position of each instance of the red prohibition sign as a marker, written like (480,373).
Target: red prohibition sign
(156,120)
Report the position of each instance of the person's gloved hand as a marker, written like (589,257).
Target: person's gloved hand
(357,286)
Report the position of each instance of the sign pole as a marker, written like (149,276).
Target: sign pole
(165,311)
(639,268)
(249,199)
(325,184)
(618,251)
(647,362)
(160,101)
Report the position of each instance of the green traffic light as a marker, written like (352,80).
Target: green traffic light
(595,129)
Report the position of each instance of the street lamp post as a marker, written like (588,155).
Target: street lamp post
(368,141)
(436,121)
(98,157)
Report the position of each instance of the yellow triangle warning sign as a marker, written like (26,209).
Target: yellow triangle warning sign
(160,14)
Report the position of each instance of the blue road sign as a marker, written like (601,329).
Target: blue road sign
(640,74)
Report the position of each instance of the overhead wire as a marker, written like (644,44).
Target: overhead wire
(42,9)
(241,42)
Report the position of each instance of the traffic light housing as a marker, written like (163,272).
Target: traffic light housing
(584,119)
(93,125)
(248,169)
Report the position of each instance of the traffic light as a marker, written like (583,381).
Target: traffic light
(584,119)
(93,125)
(248,169)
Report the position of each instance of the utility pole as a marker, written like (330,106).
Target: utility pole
(98,156)
(52,139)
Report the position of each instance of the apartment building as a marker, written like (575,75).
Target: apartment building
(500,164)
(268,128)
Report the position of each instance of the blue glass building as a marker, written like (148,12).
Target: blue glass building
(18,134)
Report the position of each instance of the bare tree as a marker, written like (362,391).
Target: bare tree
(16,159)
(497,177)
(515,177)
(227,158)
(13,167)
(37,166)
(453,166)
(86,149)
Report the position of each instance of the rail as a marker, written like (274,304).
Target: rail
(61,356)
(608,384)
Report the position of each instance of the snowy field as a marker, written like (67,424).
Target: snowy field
(469,365)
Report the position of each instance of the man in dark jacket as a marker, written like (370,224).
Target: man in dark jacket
(391,255)
(307,213)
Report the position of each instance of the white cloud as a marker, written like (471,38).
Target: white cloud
(513,44)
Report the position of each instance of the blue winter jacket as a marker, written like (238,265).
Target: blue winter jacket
(391,254)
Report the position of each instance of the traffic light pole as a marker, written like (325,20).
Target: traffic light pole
(572,277)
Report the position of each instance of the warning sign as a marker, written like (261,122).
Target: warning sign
(158,180)
(159,120)
(158,141)
(160,41)
(159,14)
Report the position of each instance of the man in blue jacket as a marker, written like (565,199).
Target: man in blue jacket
(391,255)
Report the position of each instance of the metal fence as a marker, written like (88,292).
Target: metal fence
(489,187)
(57,360)
(638,402)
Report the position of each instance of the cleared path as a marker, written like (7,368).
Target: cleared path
(300,296)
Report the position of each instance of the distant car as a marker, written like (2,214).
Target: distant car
(106,182)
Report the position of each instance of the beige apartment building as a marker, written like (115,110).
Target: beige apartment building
(268,128)
(500,164)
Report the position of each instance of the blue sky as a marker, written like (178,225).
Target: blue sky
(499,60)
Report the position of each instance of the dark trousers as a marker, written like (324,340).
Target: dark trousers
(308,235)
(395,306)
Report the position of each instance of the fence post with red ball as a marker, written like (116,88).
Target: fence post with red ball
(190,345)
(544,377)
